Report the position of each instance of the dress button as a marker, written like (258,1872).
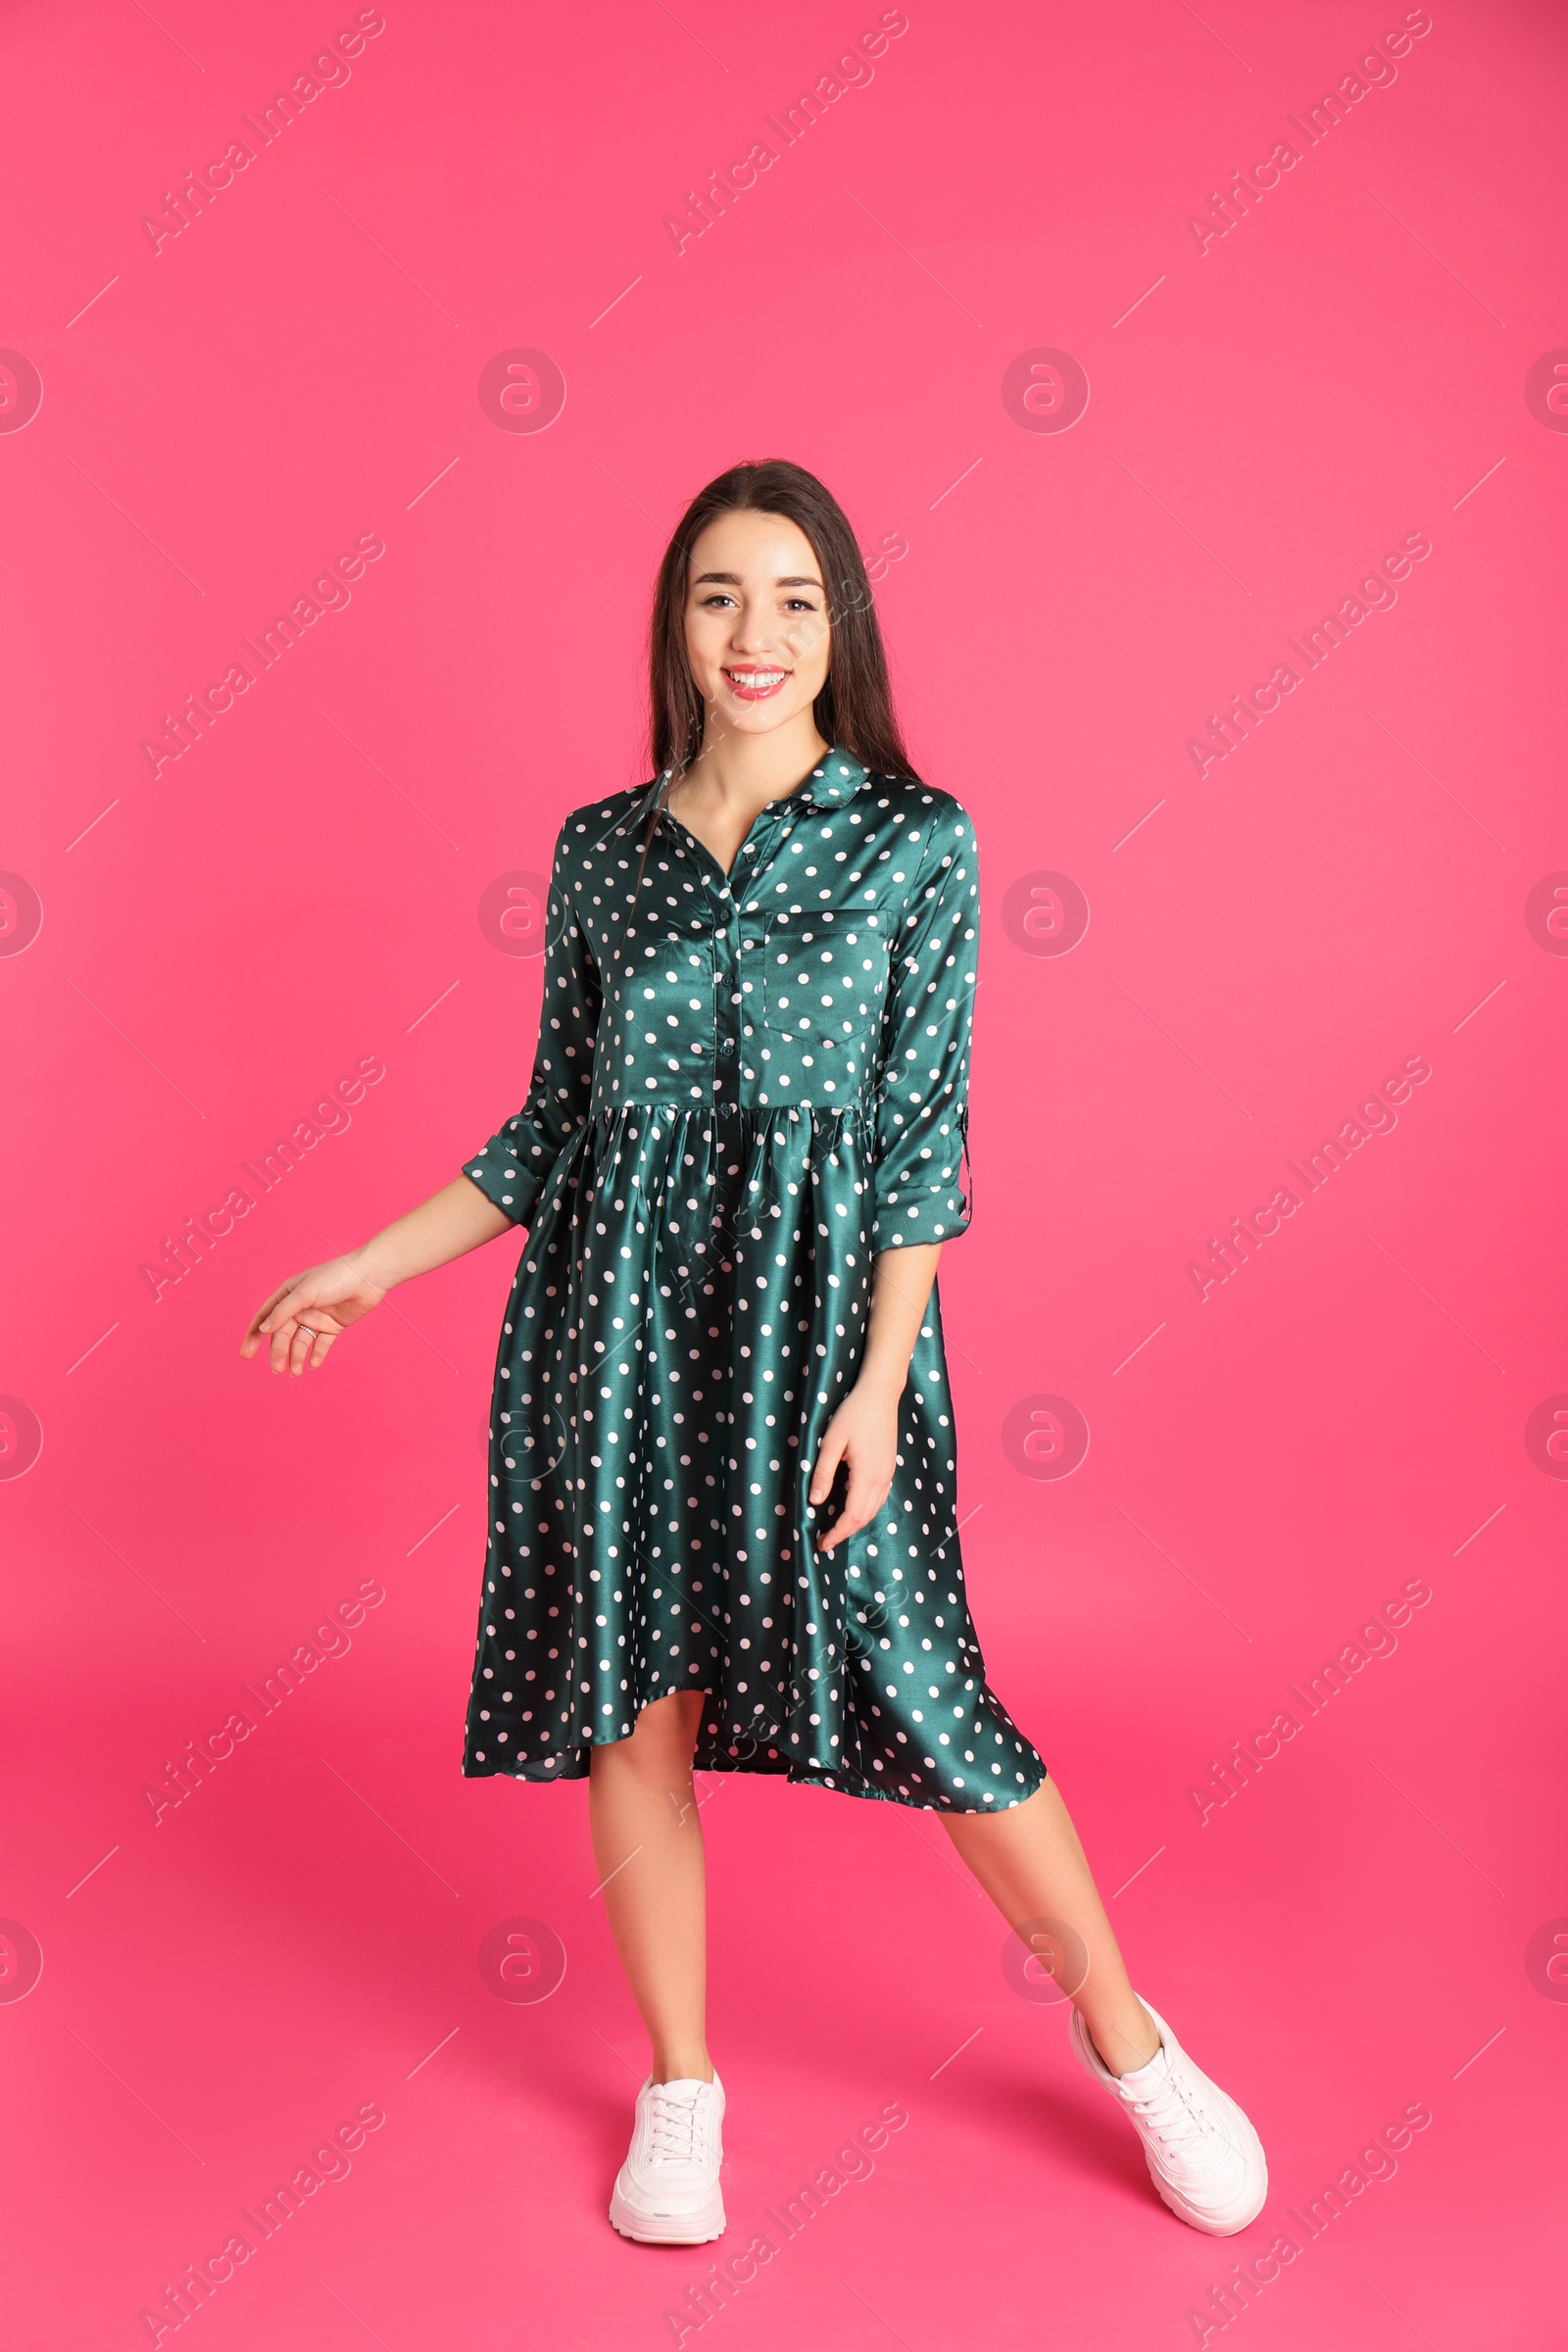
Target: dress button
(726,1045)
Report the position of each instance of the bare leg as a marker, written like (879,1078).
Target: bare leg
(1029,1861)
(648,1842)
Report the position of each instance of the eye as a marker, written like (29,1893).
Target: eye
(719,597)
(799,604)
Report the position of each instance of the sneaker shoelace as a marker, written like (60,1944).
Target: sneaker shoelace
(1171,2117)
(671,2129)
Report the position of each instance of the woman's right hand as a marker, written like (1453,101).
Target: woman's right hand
(305,1314)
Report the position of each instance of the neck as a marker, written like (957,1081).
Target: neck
(755,768)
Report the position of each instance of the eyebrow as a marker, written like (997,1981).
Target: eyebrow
(732,580)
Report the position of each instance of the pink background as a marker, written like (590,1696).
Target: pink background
(1369,1923)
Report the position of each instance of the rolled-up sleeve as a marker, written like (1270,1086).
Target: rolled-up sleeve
(922,1104)
(515,1165)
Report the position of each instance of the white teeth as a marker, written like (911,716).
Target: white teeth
(757,677)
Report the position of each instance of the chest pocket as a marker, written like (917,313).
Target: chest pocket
(825,977)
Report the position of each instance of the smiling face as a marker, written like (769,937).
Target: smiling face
(757,626)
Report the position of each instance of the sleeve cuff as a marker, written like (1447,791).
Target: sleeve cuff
(502,1178)
(919,1213)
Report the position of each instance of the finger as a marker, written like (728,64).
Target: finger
(827,1462)
(285,1306)
(861,1506)
(303,1348)
(285,1335)
(257,1326)
(284,1324)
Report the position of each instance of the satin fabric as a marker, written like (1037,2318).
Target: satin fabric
(746,1085)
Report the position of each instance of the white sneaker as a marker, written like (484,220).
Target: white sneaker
(666,2192)
(1202,2154)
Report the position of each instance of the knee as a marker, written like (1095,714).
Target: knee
(658,1750)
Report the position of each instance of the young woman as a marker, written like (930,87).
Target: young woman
(722,1529)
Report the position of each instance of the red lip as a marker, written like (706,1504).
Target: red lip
(738,674)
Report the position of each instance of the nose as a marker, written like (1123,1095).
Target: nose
(751,633)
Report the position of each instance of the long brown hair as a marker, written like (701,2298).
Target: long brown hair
(855,704)
(854,708)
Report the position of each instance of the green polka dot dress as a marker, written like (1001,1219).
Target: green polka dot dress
(746,1085)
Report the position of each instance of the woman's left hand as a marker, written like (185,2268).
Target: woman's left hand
(864,1434)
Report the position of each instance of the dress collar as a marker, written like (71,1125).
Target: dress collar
(835,779)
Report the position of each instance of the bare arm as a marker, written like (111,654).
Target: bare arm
(901,1293)
(864,1430)
(452,1222)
